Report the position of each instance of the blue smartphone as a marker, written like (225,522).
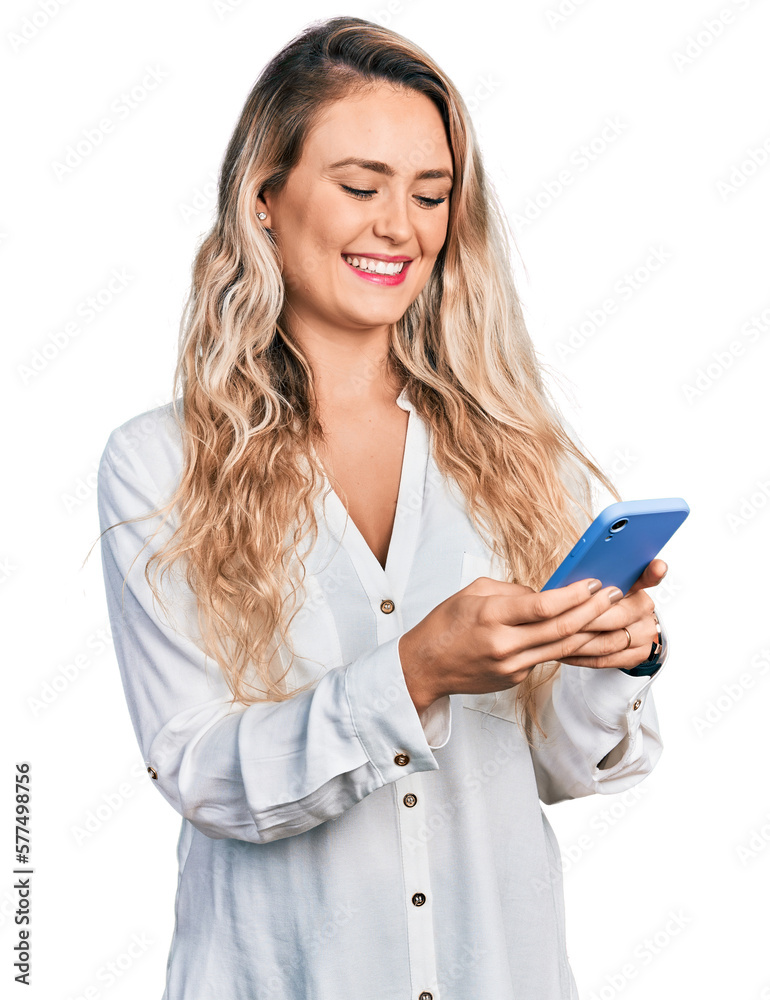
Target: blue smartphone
(617,547)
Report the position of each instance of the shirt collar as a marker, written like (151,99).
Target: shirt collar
(404,401)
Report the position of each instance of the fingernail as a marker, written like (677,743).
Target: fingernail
(594,585)
(615,595)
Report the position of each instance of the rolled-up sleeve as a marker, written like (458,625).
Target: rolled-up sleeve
(602,732)
(601,724)
(259,772)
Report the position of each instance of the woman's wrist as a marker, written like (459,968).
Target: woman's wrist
(419,692)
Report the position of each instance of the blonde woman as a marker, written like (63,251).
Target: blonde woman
(323,561)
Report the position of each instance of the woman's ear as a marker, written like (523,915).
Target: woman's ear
(263,206)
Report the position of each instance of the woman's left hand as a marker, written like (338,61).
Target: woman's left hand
(633,612)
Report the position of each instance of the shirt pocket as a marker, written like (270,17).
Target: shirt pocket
(476,564)
(498,703)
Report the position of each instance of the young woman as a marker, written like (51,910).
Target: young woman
(324,561)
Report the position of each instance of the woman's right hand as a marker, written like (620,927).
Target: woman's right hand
(489,635)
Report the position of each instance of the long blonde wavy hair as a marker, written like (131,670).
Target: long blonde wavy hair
(249,412)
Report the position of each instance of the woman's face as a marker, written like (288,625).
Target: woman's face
(321,221)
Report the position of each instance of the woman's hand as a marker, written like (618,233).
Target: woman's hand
(607,646)
(491,634)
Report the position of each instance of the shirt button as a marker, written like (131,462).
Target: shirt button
(425,996)
(153,773)
(637,703)
(401,759)
(386,607)
(410,800)
(418,899)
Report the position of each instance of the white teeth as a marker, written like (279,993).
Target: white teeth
(376,266)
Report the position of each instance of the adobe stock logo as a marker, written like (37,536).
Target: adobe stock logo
(731,692)
(556,16)
(122,107)
(755,157)
(34,23)
(643,955)
(580,158)
(752,331)
(701,40)
(750,506)
(87,311)
(624,288)
(756,844)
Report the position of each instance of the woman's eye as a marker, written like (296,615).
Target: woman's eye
(358,193)
(364,194)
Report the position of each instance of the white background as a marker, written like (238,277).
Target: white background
(688,95)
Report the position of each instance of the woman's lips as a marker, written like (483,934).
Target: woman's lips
(379,279)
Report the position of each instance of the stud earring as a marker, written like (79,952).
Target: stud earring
(262,215)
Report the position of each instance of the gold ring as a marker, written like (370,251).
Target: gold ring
(629,638)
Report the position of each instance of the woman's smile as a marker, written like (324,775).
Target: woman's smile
(378,270)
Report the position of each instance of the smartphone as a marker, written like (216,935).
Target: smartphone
(621,541)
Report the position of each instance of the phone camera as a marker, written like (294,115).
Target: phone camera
(618,525)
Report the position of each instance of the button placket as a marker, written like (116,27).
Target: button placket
(418,899)
(385,589)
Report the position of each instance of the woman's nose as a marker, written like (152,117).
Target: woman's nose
(393,220)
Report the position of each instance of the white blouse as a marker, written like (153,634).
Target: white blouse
(338,845)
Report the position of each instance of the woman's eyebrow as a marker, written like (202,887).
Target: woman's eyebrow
(384,168)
